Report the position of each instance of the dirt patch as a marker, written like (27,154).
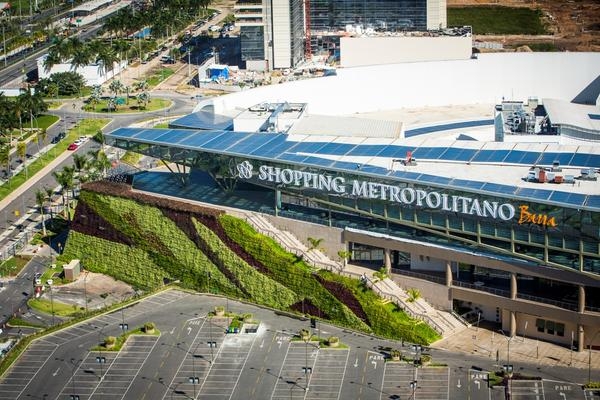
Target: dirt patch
(100,290)
(573,23)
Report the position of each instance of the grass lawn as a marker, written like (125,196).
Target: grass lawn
(12,266)
(44,121)
(158,75)
(498,20)
(86,127)
(46,305)
(153,105)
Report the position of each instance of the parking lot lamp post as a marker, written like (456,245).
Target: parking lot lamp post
(73,396)
(413,387)
(194,379)
(307,369)
(85,292)
(51,302)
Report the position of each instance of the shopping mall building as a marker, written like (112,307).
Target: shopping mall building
(455,202)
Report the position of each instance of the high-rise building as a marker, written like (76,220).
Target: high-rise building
(273,32)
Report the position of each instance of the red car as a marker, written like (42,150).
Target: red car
(73,146)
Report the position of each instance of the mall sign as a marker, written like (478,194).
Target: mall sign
(375,190)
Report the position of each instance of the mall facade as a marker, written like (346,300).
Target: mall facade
(526,258)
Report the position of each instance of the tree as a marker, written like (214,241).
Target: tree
(143,99)
(40,199)
(313,243)
(5,158)
(22,152)
(116,86)
(80,163)
(65,180)
(42,136)
(344,255)
(107,58)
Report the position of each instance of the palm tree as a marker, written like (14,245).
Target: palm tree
(107,58)
(5,159)
(40,199)
(80,163)
(22,152)
(42,136)
(313,243)
(141,86)
(52,58)
(143,99)
(65,180)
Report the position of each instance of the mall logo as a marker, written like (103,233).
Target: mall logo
(376,190)
(527,217)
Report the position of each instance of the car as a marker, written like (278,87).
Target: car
(73,146)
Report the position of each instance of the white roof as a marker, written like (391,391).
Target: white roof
(562,112)
(347,126)
(91,5)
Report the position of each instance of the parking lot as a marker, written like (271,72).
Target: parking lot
(191,356)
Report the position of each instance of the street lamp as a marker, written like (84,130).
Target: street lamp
(194,379)
(590,356)
(73,396)
(51,299)
(413,387)
(508,339)
(307,370)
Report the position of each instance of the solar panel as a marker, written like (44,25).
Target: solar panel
(321,162)
(124,132)
(466,184)
(395,151)
(538,194)
(308,147)
(253,142)
(522,157)
(497,188)
(373,169)
(456,154)
(222,142)
(568,198)
(593,202)
(433,179)
(491,156)
(200,138)
(428,153)
(446,127)
(550,158)
(276,147)
(366,150)
(586,160)
(336,148)
(174,136)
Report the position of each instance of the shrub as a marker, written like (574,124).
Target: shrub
(149,327)
(109,342)
(333,341)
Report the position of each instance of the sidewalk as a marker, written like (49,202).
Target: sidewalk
(494,345)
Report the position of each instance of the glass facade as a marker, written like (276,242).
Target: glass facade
(297,31)
(252,40)
(388,15)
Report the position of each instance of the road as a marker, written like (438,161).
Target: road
(26,203)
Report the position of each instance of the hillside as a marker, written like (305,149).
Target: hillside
(573,25)
(148,241)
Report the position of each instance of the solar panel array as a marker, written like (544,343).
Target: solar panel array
(302,150)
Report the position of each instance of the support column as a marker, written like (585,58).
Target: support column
(513,324)
(448,274)
(513,285)
(580,338)
(387,260)
(581,298)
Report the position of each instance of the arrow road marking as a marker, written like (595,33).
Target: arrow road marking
(478,384)
(374,364)
(262,344)
(458,385)
(56,372)
(356,363)
(189,329)
(172,331)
